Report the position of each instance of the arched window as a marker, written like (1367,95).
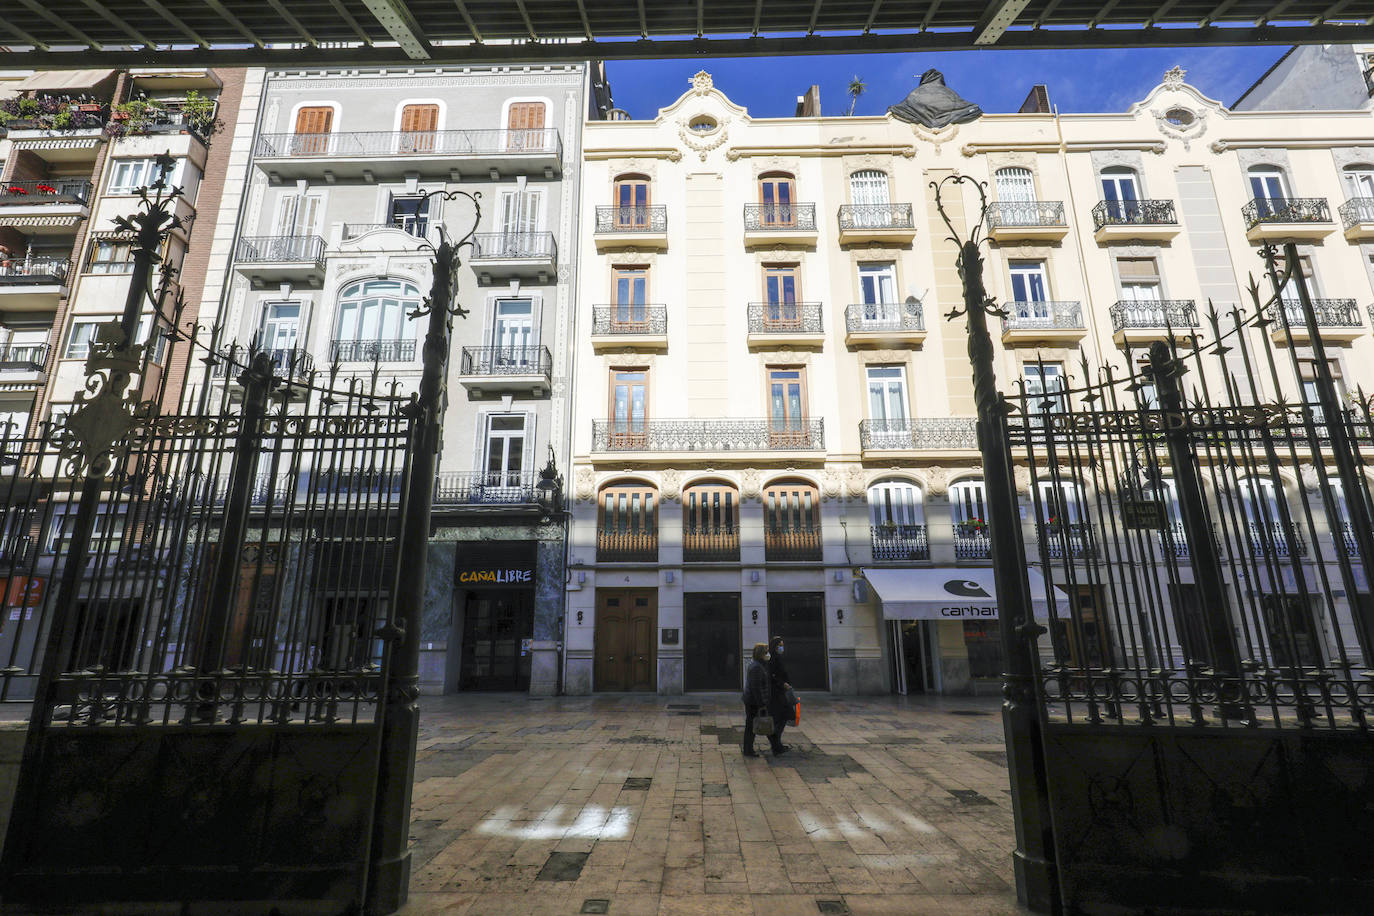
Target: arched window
(525,127)
(777,199)
(897,521)
(627,523)
(1063,522)
(313,126)
(968,511)
(869,202)
(1267,183)
(1014,185)
(1359,183)
(632,202)
(372,321)
(710,522)
(1121,194)
(791,521)
(1263,502)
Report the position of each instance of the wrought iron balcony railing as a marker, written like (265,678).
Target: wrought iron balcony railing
(1345,537)
(794,217)
(533,246)
(917,433)
(367,351)
(710,545)
(287,363)
(16,549)
(1065,539)
(23,357)
(634,318)
(1134,213)
(33,271)
(305,249)
(415,228)
(893,542)
(1175,537)
(791,543)
(626,546)
(1330,313)
(1154,313)
(631,219)
(1286,210)
(1274,540)
(884,316)
(784,318)
(971,541)
(1355,211)
(723,435)
(484,489)
(49,191)
(876,216)
(1024,213)
(362,144)
(1035,316)
(531,360)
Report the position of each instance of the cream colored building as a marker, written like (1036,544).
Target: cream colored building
(771,408)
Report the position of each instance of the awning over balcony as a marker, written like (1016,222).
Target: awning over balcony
(946,593)
(53,80)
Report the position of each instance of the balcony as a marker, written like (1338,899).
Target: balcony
(416,229)
(723,439)
(792,544)
(1346,540)
(32,284)
(1275,218)
(1134,219)
(1272,540)
(779,224)
(375,155)
(1337,319)
(1144,320)
(632,326)
(51,207)
(1173,538)
(372,351)
(22,358)
(505,255)
(918,434)
(1009,220)
(710,545)
(631,227)
(288,364)
(1066,540)
(884,324)
(876,223)
(267,260)
(1042,322)
(613,546)
(506,370)
(1357,216)
(495,490)
(784,324)
(894,543)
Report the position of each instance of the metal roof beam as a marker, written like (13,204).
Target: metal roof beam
(235,21)
(61,24)
(353,24)
(182,27)
(395,17)
(98,7)
(998,17)
(477,34)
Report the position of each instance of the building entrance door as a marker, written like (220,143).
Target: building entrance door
(711,641)
(799,618)
(626,640)
(494,623)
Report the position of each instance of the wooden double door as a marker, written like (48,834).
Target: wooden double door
(626,640)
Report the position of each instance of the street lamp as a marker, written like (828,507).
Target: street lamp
(548,492)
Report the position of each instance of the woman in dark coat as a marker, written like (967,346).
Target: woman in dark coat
(779,682)
(756,695)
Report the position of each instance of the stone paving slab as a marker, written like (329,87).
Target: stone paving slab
(642,805)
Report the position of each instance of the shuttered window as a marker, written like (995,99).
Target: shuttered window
(418,124)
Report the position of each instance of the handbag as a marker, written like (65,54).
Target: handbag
(763,725)
(794,704)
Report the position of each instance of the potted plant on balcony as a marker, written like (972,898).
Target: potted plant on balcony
(973,527)
(1052,525)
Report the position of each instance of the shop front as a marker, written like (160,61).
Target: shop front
(494,624)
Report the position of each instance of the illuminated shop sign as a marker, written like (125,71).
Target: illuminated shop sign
(495,576)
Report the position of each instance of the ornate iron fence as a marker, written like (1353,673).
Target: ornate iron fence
(1355,211)
(1155,314)
(629,318)
(785,318)
(728,435)
(897,543)
(369,351)
(1024,213)
(917,433)
(971,542)
(884,316)
(1134,213)
(530,360)
(516,246)
(614,546)
(710,545)
(632,219)
(795,217)
(1286,210)
(484,489)
(290,363)
(1331,313)
(361,144)
(307,249)
(876,216)
(792,544)
(1024,316)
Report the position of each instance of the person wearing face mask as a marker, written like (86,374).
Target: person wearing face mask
(756,695)
(778,685)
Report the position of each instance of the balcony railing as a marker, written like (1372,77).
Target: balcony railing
(1154,313)
(629,319)
(1063,540)
(414,228)
(791,543)
(1356,210)
(16,549)
(710,545)
(899,542)
(1134,213)
(784,318)
(1274,540)
(971,541)
(1175,537)
(362,144)
(484,489)
(533,246)
(1330,313)
(305,249)
(530,360)
(806,434)
(917,433)
(1345,537)
(631,219)
(33,271)
(794,217)
(1037,316)
(23,357)
(1286,210)
(884,316)
(50,191)
(1023,213)
(287,363)
(876,216)
(367,351)
(626,546)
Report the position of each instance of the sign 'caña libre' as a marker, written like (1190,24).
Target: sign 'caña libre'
(495,576)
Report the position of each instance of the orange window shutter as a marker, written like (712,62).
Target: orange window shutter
(420,118)
(314,120)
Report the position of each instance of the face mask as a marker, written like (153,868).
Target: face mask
(767,657)
(778,650)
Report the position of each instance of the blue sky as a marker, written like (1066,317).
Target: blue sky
(1087,80)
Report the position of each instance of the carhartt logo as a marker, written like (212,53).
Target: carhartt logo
(966,588)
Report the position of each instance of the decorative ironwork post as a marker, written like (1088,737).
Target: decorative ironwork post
(1036,878)
(389,869)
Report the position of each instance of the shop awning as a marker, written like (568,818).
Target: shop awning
(944,593)
(53,80)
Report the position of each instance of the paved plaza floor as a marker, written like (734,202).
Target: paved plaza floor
(637,805)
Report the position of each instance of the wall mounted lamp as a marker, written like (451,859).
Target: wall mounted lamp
(839,614)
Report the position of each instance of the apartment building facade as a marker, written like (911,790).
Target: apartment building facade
(774,424)
(327,256)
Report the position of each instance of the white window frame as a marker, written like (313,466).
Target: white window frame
(1028,271)
(353,327)
(968,500)
(140,173)
(897,502)
(1015,184)
(881,274)
(489,435)
(892,381)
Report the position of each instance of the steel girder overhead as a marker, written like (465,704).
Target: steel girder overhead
(87,33)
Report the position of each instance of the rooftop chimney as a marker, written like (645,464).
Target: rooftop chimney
(809,105)
(1038,102)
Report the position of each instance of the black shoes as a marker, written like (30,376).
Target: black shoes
(750,753)
(779,751)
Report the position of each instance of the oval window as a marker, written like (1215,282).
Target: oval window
(1179,117)
(703,124)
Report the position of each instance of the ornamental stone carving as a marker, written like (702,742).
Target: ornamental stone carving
(585,483)
(1023,480)
(854,482)
(750,483)
(1354,155)
(670,484)
(937,481)
(830,483)
(702,82)
(1307,473)
(1173,78)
